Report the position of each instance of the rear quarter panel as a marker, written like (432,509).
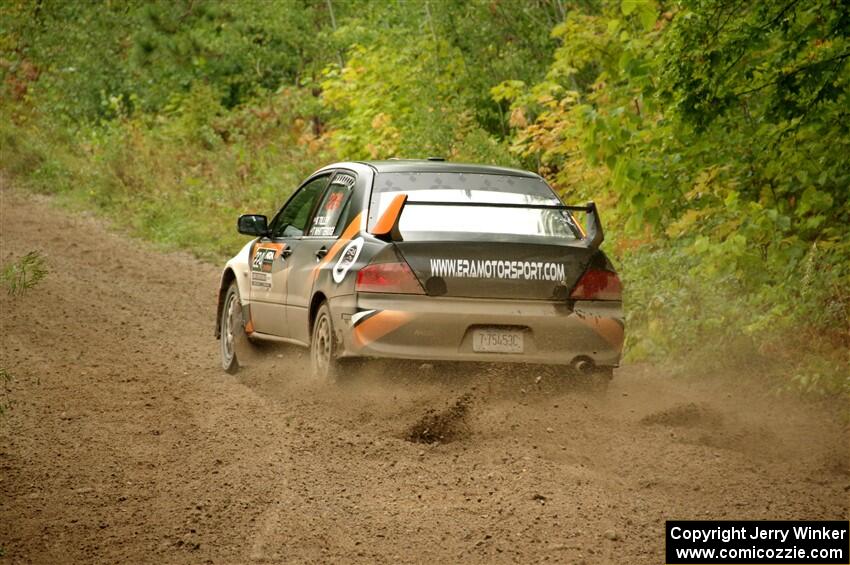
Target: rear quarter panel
(335,276)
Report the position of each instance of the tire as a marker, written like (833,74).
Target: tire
(232,329)
(324,364)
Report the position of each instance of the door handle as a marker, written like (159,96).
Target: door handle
(321,252)
(285,252)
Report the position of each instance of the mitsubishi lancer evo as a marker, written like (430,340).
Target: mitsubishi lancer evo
(425,260)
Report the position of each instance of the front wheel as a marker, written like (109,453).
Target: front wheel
(324,363)
(232,329)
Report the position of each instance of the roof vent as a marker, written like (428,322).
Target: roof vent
(436,159)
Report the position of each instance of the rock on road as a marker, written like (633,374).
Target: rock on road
(125,442)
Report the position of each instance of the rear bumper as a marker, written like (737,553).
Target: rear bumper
(439,328)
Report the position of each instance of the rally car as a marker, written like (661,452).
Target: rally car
(427,260)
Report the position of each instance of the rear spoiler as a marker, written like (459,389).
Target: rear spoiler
(386,227)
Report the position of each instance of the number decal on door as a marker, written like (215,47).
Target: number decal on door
(262,264)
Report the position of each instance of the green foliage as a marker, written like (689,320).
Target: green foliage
(242,49)
(25,273)
(405,102)
(397,97)
(379,98)
(119,57)
(73,51)
(496,41)
(718,131)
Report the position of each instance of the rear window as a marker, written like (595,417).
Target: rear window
(472,222)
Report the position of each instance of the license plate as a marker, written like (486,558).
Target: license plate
(495,340)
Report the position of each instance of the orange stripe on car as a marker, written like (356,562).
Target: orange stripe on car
(377,326)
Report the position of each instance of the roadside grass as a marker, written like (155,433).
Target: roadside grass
(169,181)
(701,324)
(25,273)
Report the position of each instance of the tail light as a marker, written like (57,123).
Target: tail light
(598,284)
(393,278)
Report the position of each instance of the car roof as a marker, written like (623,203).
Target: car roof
(437,166)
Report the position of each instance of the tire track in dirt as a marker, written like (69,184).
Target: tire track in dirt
(127,443)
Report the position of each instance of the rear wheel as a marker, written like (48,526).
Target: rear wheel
(232,329)
(323,348)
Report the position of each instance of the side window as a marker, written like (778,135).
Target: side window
(327,220)
(291,221)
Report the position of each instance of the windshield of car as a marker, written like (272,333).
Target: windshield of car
(472,222)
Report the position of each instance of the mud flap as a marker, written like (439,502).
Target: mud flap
(246,350)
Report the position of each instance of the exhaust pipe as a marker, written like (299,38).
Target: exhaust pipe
(583,365)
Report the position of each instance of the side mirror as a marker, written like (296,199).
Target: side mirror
(253,224)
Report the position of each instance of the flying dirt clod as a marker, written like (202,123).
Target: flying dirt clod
(444,426)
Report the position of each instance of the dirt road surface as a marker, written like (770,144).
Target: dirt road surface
(125,442)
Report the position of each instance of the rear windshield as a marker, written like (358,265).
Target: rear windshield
(468,222)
